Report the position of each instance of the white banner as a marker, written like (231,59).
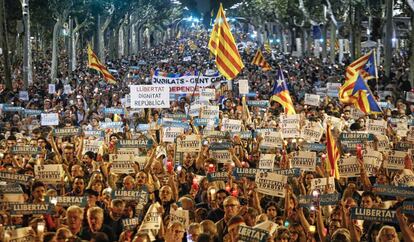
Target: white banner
(312,99)
(185,84)
(267,161)
(270,183)
(305,160)
(49,119)
(170,133)
(145,96)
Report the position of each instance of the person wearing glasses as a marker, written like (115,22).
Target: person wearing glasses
(175,232)
(231,208)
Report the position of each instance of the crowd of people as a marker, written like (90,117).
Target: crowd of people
(79,180)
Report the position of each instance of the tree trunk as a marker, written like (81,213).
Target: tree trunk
(126,39)
(357,30)
(411,74)
(56,29)
(388,38)
(70,46)
(4,46)
(333,42)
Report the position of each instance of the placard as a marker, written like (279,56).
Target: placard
(258,103)
(122,164)
(267,161)
(207,94)
(130,223)
(291,172)
(180,215)
(92,145)
(142,142)
(215,134)
(152,219)
(24,95)
(15,178)
(25,150)
(349,141)
(222,156)
(67,89)
(349,167)
(272,139)
(154,96)
(139,196)
(373,214)
(270,183)
(49,119)
(396,160)
(393,191)
(217,176)
(30,209)
(231,125)
(210,112)
(334,121)
(49,174)
(409,97)
(408,207)
(321,183)
(249,234)
(312,99)
(332,89)
(305,160)
(113,111)
(243,86)
(324,200)
(239,172)
(52,88)
(171,133)
(190,143)
(63,132)
(377,126)
(312,132)
(67,201)
(383,144)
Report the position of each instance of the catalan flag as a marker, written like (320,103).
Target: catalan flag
(223,47)
(267,46)
(280,94)
(333,154)
(364,100)
(259,60)
(94,63)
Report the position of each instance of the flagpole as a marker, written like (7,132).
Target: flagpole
(195,88)
(376,71)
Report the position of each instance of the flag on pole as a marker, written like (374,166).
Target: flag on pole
(94,63)
(280,94)
(259,60)
(333,154)
(365,64)
(364,100)
(223,47)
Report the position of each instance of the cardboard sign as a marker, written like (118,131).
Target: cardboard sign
(63,132)
(249,234)
(349,141)
(267,161)
(273,139)
(24,95)
(231,125)
(377,126)
(154,96)
(375,215)
(396,160)
(49,174)
(67,89)
(271,184)
(243,86)
(324,200)
(210,112)
(52,88)
(25,150)
(190,143)
(393,191)
(312,99)
(30,209)
(171,133)
(304,160)
(49,119)
(67,201)
(140,196)
(239,172)
(222,156)
(15,178)
(180,215)
(217,176)
(152,219)
(349,167)
(312,132)
(321,183)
